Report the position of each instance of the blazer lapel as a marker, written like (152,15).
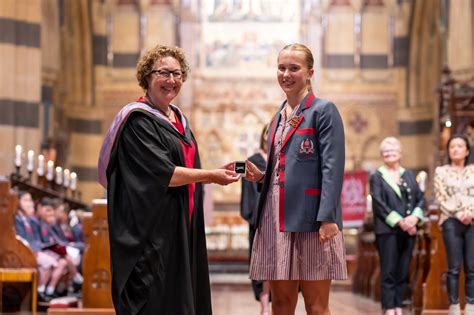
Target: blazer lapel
(389,180)
(298,118)
(293,127)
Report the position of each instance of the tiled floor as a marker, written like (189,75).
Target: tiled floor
(239,300)
(233,295)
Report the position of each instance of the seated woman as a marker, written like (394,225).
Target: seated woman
(50,268)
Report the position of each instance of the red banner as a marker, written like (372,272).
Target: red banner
(354,198)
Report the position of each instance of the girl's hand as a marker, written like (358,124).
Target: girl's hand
(253,174)
(327,231)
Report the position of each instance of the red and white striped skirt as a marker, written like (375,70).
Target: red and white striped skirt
(293,255)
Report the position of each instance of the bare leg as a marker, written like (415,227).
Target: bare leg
(44,274)
(58,272)
(72,270)
(284,296)
(316,296)
(265,298)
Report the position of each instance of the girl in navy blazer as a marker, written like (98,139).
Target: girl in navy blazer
(299,242)
(397,204)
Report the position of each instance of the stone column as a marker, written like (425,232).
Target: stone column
(20,79)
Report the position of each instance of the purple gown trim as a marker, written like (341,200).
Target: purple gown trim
(119,119)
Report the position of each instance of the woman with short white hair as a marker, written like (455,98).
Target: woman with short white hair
(398,210)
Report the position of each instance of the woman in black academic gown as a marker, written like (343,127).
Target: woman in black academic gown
(248,211)
(149,163)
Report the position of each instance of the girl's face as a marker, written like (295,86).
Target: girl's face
(458,150)
(27,205)
(293,73)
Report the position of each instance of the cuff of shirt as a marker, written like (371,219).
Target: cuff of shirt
(393,218)
(419,214)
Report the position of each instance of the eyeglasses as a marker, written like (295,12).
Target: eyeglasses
(177,74)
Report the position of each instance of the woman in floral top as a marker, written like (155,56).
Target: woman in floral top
(454,188)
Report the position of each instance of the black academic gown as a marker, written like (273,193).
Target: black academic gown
(158,255)
(248,211)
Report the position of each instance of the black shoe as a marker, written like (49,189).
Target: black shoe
(43,297)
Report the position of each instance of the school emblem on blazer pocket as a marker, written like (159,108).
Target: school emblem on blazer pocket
(307,146)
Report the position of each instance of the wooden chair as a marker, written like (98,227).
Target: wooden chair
(17,260)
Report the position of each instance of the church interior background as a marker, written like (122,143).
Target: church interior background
(68,66)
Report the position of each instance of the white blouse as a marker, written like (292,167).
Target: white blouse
(454,190)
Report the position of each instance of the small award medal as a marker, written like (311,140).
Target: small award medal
(294,121)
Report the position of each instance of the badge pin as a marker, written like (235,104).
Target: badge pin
(294,121)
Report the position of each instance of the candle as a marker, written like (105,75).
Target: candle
(40,165)
(18,150)
(73,183)
(59,175)
(66,178)
(31,161)
(49,170)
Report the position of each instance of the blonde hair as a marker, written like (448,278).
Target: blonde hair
(390,141)
(147,61)
(308,57)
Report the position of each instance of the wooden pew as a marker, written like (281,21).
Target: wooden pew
(17,260)
(96,288)
(422,264)
(435,297)
(365,260)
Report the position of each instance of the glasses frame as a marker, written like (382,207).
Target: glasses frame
(167,74)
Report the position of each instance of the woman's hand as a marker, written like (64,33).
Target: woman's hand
(253,174)
(229,166)
(464,216)
(223,177)
(327,231)
(410,222)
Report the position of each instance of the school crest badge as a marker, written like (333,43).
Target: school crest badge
(307,146)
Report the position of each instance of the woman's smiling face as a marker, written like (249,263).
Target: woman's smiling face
(162,89)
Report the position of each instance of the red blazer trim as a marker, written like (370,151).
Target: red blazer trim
(312,191)
(305,131)
(272,129)
(281,206)
(309,100)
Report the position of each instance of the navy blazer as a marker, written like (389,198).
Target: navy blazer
(388,205)
(30,235)
(311,167)
(250,193)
